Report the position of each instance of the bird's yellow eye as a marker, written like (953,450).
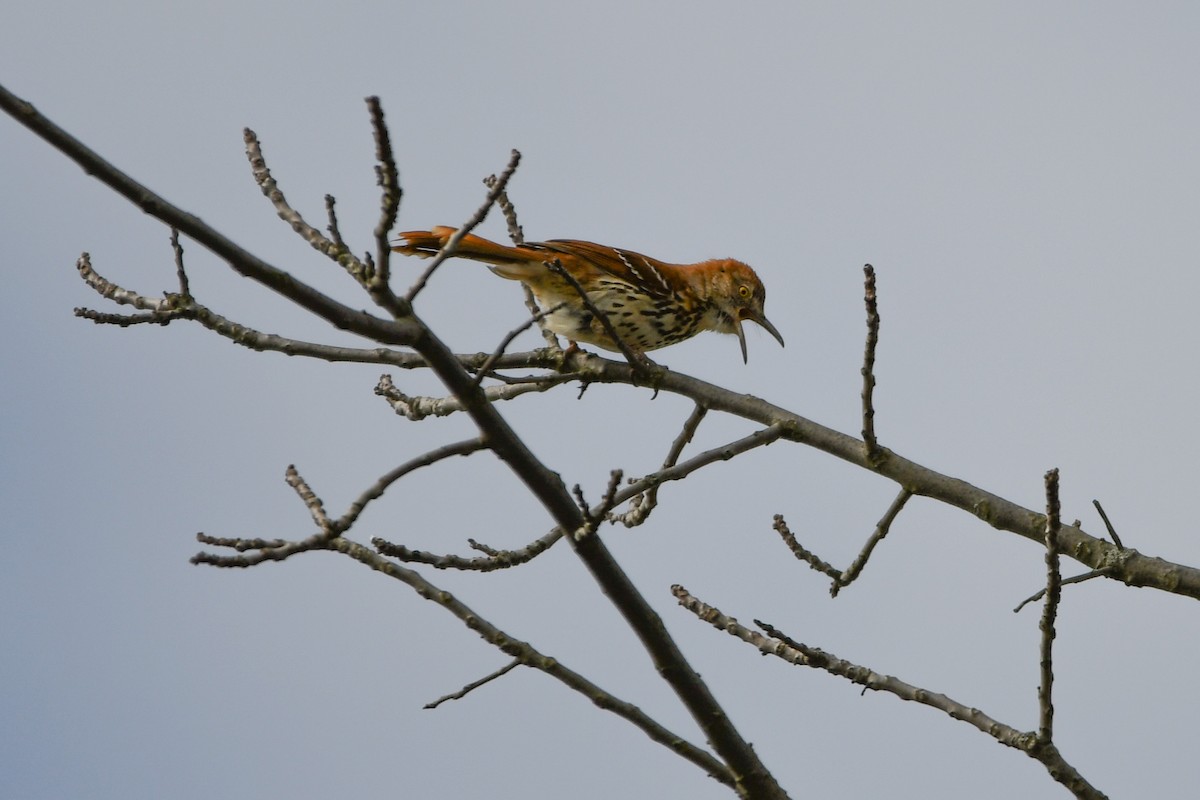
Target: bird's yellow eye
(744,292)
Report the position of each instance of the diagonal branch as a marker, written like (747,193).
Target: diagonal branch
(1126,565)
(529,656)
(376,490)
(447,251)
(777,644)
(881,530)
(343,317)
(332,248)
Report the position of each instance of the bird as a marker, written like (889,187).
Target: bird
(648,303)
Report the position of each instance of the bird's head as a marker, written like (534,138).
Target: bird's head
(738,295)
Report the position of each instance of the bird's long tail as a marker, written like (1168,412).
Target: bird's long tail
(427,243)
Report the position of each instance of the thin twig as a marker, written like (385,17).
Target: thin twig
(515,233)
(641,505)
(185,289)
(473,685)
(487,550)
(124,320)
(799,551)
(1112,532)
(494,560)
(311,501)
(335,232)
(111,291)
(1040,593)
(464,448)
(868,368)
(242,545)
(419,407)
(387,177)
(507,340)
(881,530)
(548,335)
(480,214)
(165,310)
(593,517)
(725,452)
(637,359)
(1049,611)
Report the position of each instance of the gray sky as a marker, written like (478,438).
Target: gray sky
(1023,178)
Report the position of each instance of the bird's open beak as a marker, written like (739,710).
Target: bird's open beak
(763,322)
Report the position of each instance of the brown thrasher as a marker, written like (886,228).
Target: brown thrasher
(649,303)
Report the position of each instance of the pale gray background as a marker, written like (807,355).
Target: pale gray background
(1024,177)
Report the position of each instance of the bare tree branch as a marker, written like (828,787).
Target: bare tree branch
(241,261)
(1112,532)
(1040,593)
(843,578)
(473,685)
(1049,612)
(1124,564)
(185,290)
(376,490)
(536,319)
(781,527)
(508,210)
(494,560)
(868,369)
(742,768)
(388,179)
(781,646)
(332,248)
(881,530)
(642,504)
(420,407)
(335,232)
(528,655)
(480,214)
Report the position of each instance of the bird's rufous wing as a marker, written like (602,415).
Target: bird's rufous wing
(625,265)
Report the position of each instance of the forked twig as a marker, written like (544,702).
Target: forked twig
(775,643)
(842,578)
(881,530)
